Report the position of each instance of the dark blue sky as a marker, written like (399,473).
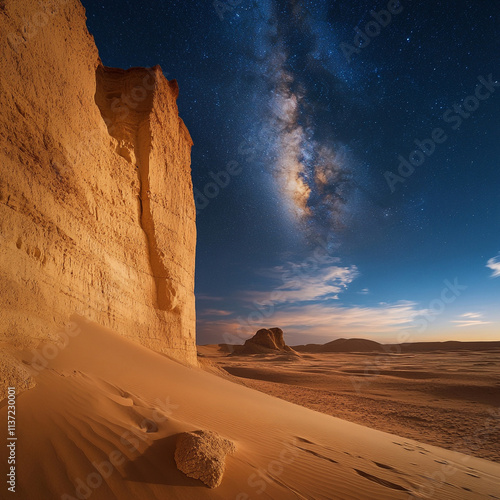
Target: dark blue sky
(317,228)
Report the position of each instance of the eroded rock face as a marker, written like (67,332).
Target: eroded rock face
(96,202)
(202,455)
(271,338)
(266,340)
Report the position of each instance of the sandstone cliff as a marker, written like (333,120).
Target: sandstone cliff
(96,202)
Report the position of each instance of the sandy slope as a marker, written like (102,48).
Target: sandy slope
(89,404)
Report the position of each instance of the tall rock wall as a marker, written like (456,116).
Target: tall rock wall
(96,202)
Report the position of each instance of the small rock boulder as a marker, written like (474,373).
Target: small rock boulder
(202,455)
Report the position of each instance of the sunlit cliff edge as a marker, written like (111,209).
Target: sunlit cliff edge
(97,214)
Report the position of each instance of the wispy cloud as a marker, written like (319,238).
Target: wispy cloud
(215,312)
(494,265)
(210,298)
(464,324)
(341,319)
(471,315)
(299,283)
(470,319)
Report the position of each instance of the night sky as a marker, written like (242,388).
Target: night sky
(325,221)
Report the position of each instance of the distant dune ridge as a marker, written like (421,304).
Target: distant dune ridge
(97,213)
(342,345)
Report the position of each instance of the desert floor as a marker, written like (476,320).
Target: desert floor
(103,420)
(450,399)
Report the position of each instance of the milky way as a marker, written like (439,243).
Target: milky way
(313,173)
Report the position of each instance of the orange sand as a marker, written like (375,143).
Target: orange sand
(90,404)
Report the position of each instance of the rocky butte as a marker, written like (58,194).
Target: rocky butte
(97,215)
(265,341)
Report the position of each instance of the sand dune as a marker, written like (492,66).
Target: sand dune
(105,400)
